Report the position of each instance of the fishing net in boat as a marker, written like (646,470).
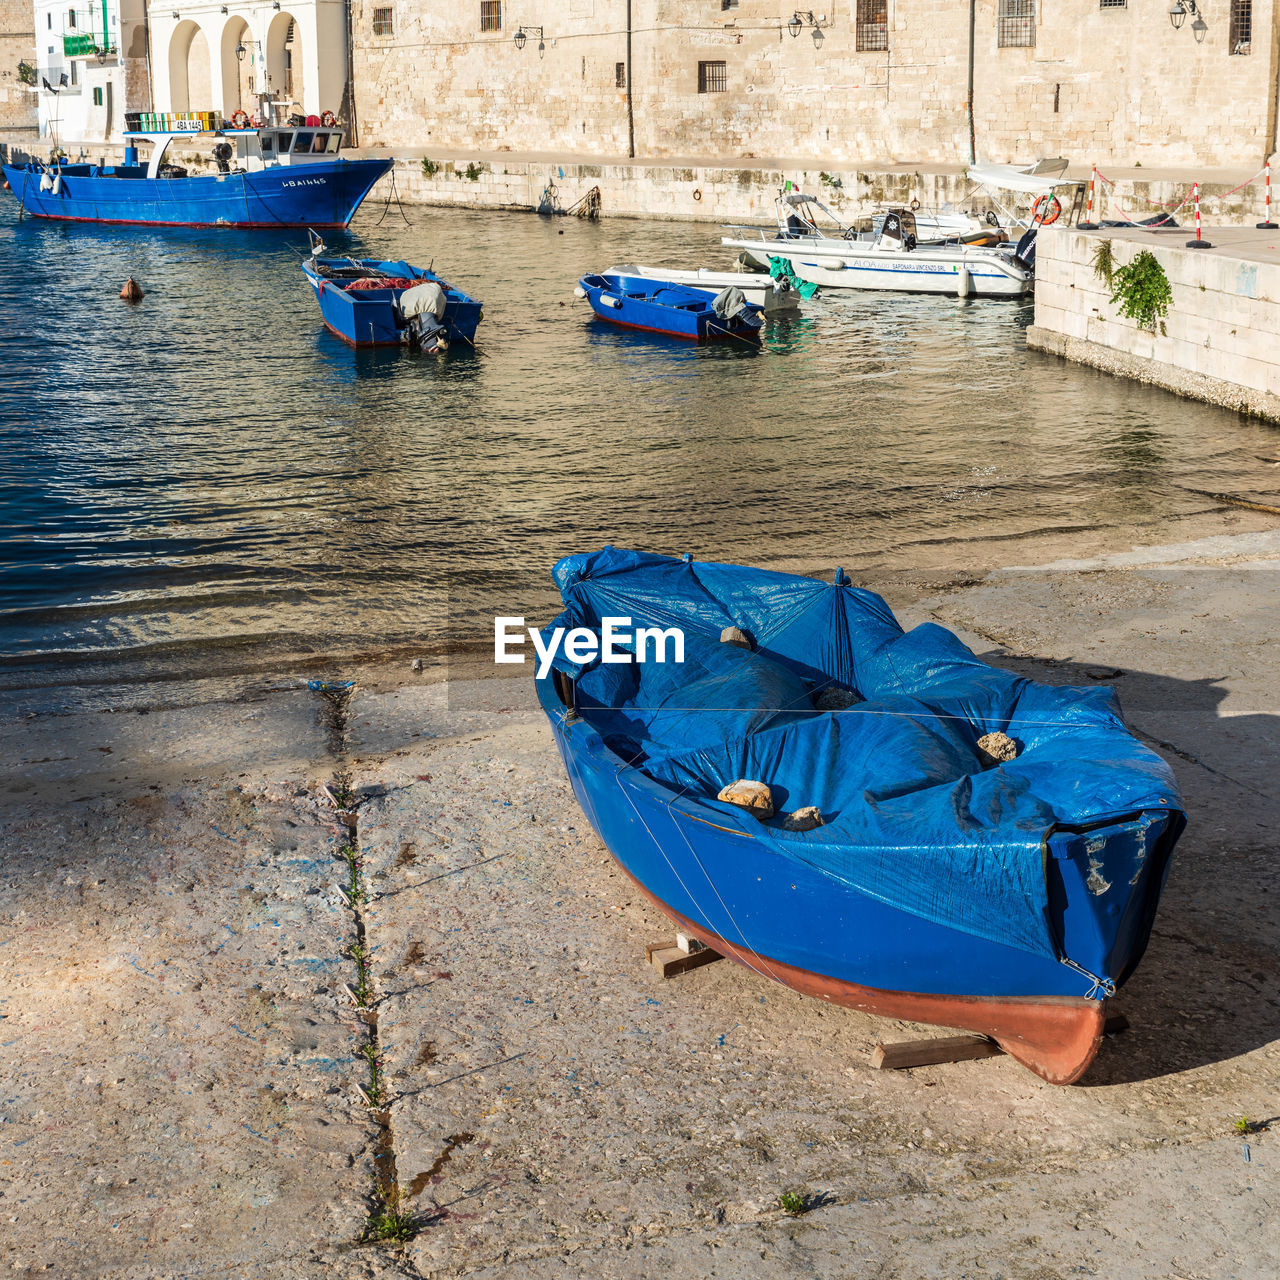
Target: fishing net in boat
(379,282)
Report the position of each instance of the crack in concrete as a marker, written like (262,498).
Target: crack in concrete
(386,1179)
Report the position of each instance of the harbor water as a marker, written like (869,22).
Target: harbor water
(209,482)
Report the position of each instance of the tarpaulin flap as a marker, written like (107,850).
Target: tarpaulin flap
(912,815)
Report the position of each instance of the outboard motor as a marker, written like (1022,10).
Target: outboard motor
(729,303)
(422,312)
(1025,254)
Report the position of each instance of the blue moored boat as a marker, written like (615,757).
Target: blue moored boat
(371,303)
(676,310)
(1008,893)
(265,177)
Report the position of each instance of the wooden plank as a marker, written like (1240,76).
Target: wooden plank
(670,961)
(928,1053)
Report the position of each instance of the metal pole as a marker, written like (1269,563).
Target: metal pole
(1268,225)
(973,137)
(631,118)
(1088,224)
(1199,242)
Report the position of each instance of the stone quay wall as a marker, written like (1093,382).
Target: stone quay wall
(1116,86)
(721,193)
(1220,341)
(17,44)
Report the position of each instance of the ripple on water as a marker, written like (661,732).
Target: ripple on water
(210,477)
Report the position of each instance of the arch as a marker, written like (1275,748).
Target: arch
(238,84)
(190,72)
(285,63)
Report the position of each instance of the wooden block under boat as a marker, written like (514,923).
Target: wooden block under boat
(670,960)
(939,1049)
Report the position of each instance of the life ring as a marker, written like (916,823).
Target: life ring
(328,119)
(1051,217)
(239,119)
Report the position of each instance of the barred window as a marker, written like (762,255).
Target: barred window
(713,77)
(490,15)
(620,74)
(383,22)
(872,25)
(1112,4)
(1016,24)
(1241,35)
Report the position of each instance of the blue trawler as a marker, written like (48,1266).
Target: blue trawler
(272,176)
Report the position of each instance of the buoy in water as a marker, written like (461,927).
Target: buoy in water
(132,291)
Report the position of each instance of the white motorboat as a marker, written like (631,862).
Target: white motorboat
(897,261)
(761,290)
(800,222)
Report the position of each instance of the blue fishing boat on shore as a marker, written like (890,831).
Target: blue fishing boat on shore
(372,303)
(964,846)
(263,177)
(678,311)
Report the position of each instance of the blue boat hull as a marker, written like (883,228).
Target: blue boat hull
(673,310)
(707,872)
(367,317)
(1089,813)
(321,194)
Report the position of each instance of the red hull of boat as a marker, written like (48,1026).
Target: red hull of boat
(1057,1037)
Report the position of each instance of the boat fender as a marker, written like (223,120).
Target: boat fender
(56,186)
(579,291)
(46,182)
(607,301)
(964,283)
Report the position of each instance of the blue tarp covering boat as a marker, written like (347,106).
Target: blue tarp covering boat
(1006,898)
(672,309)
(372,303)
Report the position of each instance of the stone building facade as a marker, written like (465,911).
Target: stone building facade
(267,60)
(858,81)
(92,56)
(17,49)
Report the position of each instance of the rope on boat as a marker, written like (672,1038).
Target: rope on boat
(1103,985)
(392,194)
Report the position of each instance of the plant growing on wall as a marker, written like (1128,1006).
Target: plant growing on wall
(1104,262)
(26,73)
(429,167)
(474,170)
(1140,289)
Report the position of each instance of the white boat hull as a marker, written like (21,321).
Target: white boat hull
(768,294)
(960,272)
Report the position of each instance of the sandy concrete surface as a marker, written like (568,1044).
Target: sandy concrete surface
(183,1057)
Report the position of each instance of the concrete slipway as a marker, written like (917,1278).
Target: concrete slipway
(180,1053)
